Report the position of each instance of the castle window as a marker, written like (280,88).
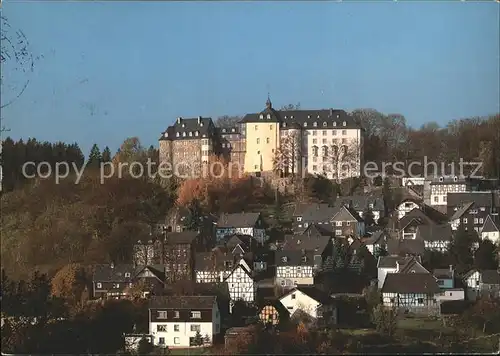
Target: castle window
(256,127)
(325,124)
(305,124)
(268,116)
(190,134)
(258,140)
(183,134)
(270,127)
(267,140)
(178,134)
(344,123)
(315,124)
(196,133)
(261,116)
(284,124)
(334,123)
(344,132)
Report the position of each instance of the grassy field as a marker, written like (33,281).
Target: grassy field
(194,352)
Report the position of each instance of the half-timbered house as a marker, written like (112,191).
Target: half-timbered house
(241,223)
(294,267)
(406,206)
(211,266)
(362,203)
(471,209)
(411,293)
(241,284)
(390,264)
(175,321)
(479,283)
(408,224)
(435,237)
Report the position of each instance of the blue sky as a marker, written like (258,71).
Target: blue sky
(111,70)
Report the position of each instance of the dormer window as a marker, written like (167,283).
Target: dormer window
(334,123)
(127,274)
(261,116)
(232,130)
(455,178)
(196,133)
(268,116)
(441,179)
(284,259)
(324,124)
(308,116)
(291,117)
(304,258)
(223,130)
(183,125)
(190,134)
(343,123)
(201,123)
(305,124)
(183,134)
(284,124)
(370,206)
(177,134)
(315,124)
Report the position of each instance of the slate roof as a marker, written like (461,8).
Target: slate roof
(440,232)
(448,180)
(324,118)
(187,128)
(238,220)
(294,258)
(184,237)
(379,236)
(415,214)
(346,214)
(462,210)
(443,273)
(490,225)
(246,241)
(304,242)
(182,302)
(410,283)
(223,131)
(390,261)
(491,276)
(117,273)
(405,247)
(317,213)
(317,229)
(361,202)
(412,266)
(480,199)
(204,261)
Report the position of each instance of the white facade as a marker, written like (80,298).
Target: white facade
(413,300)
(492,236)
(178,334)
(257,234)
(472,283)
(291,276)
(321,141)
(451,294)
(382,273)
(405,207)
(299,300)
(440,246)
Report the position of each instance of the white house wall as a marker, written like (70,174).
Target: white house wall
(298,300)
(492,236)
(290,276)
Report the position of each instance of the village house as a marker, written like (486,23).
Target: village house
(406,206)
(491,229)
(179,250)
(241,223)
(295,267)
(363,203)
(348,223)
(212,266)
(411,293)
(376,242)
(406,247)
(480,283)
(305,215)
(471,209)
(241,284)
(116,281)
(310,301)
(390,264)
(435,237)
(175,322)
(408,224)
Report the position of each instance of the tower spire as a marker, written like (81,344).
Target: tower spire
(269,105)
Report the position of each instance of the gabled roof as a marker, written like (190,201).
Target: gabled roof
(361,202)
(312,292)
(213,260)
(125,272)
(379,236)
(390,261)
(246,241)
(157,271)
(184,237)
(440,232)
(316,212)
(405,247)
(443,273)
(480,199)
(182,302)
(462,210)
(489,225)
(186,126)
(238,266)
(412,266)
(346,214)
(410,283)
(238,220)
(294,258)
(319,230)
(316,244)
(415,215)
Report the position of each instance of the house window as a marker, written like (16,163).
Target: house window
(161,341)
(299,218)
(304,259)
(481,221)
(420,300)
(284,259)
(440,282)
(256,167)
(267,140)
(338,223)
(344,132)
(436,199)
(161,328)
(315,168)
(270,127)
(338,232)
(314,133)
(282,283)
(176,327)
(99,285)
(195,315)
(176,314)
(258,140)
(177,340)
(127,274)
(465,220)
(256,127)
(392,300)
(293,296)
(162,314)
(195,327)
(348,223)
(116,285)
(324,133)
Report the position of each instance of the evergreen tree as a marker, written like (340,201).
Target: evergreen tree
(194,220)
(388,196)
(368,217)
(95,157)
(485,256)
(460,249)
(198,339)
(106,155)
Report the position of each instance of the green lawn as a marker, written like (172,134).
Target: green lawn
(420,324)
(192,351)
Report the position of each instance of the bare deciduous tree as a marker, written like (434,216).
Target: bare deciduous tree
(288,156)
(342,159)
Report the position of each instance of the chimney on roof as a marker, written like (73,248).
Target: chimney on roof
(331,112)
(199,120)
(179,119)
(451,268)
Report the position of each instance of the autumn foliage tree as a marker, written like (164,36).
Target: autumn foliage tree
(69,283)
